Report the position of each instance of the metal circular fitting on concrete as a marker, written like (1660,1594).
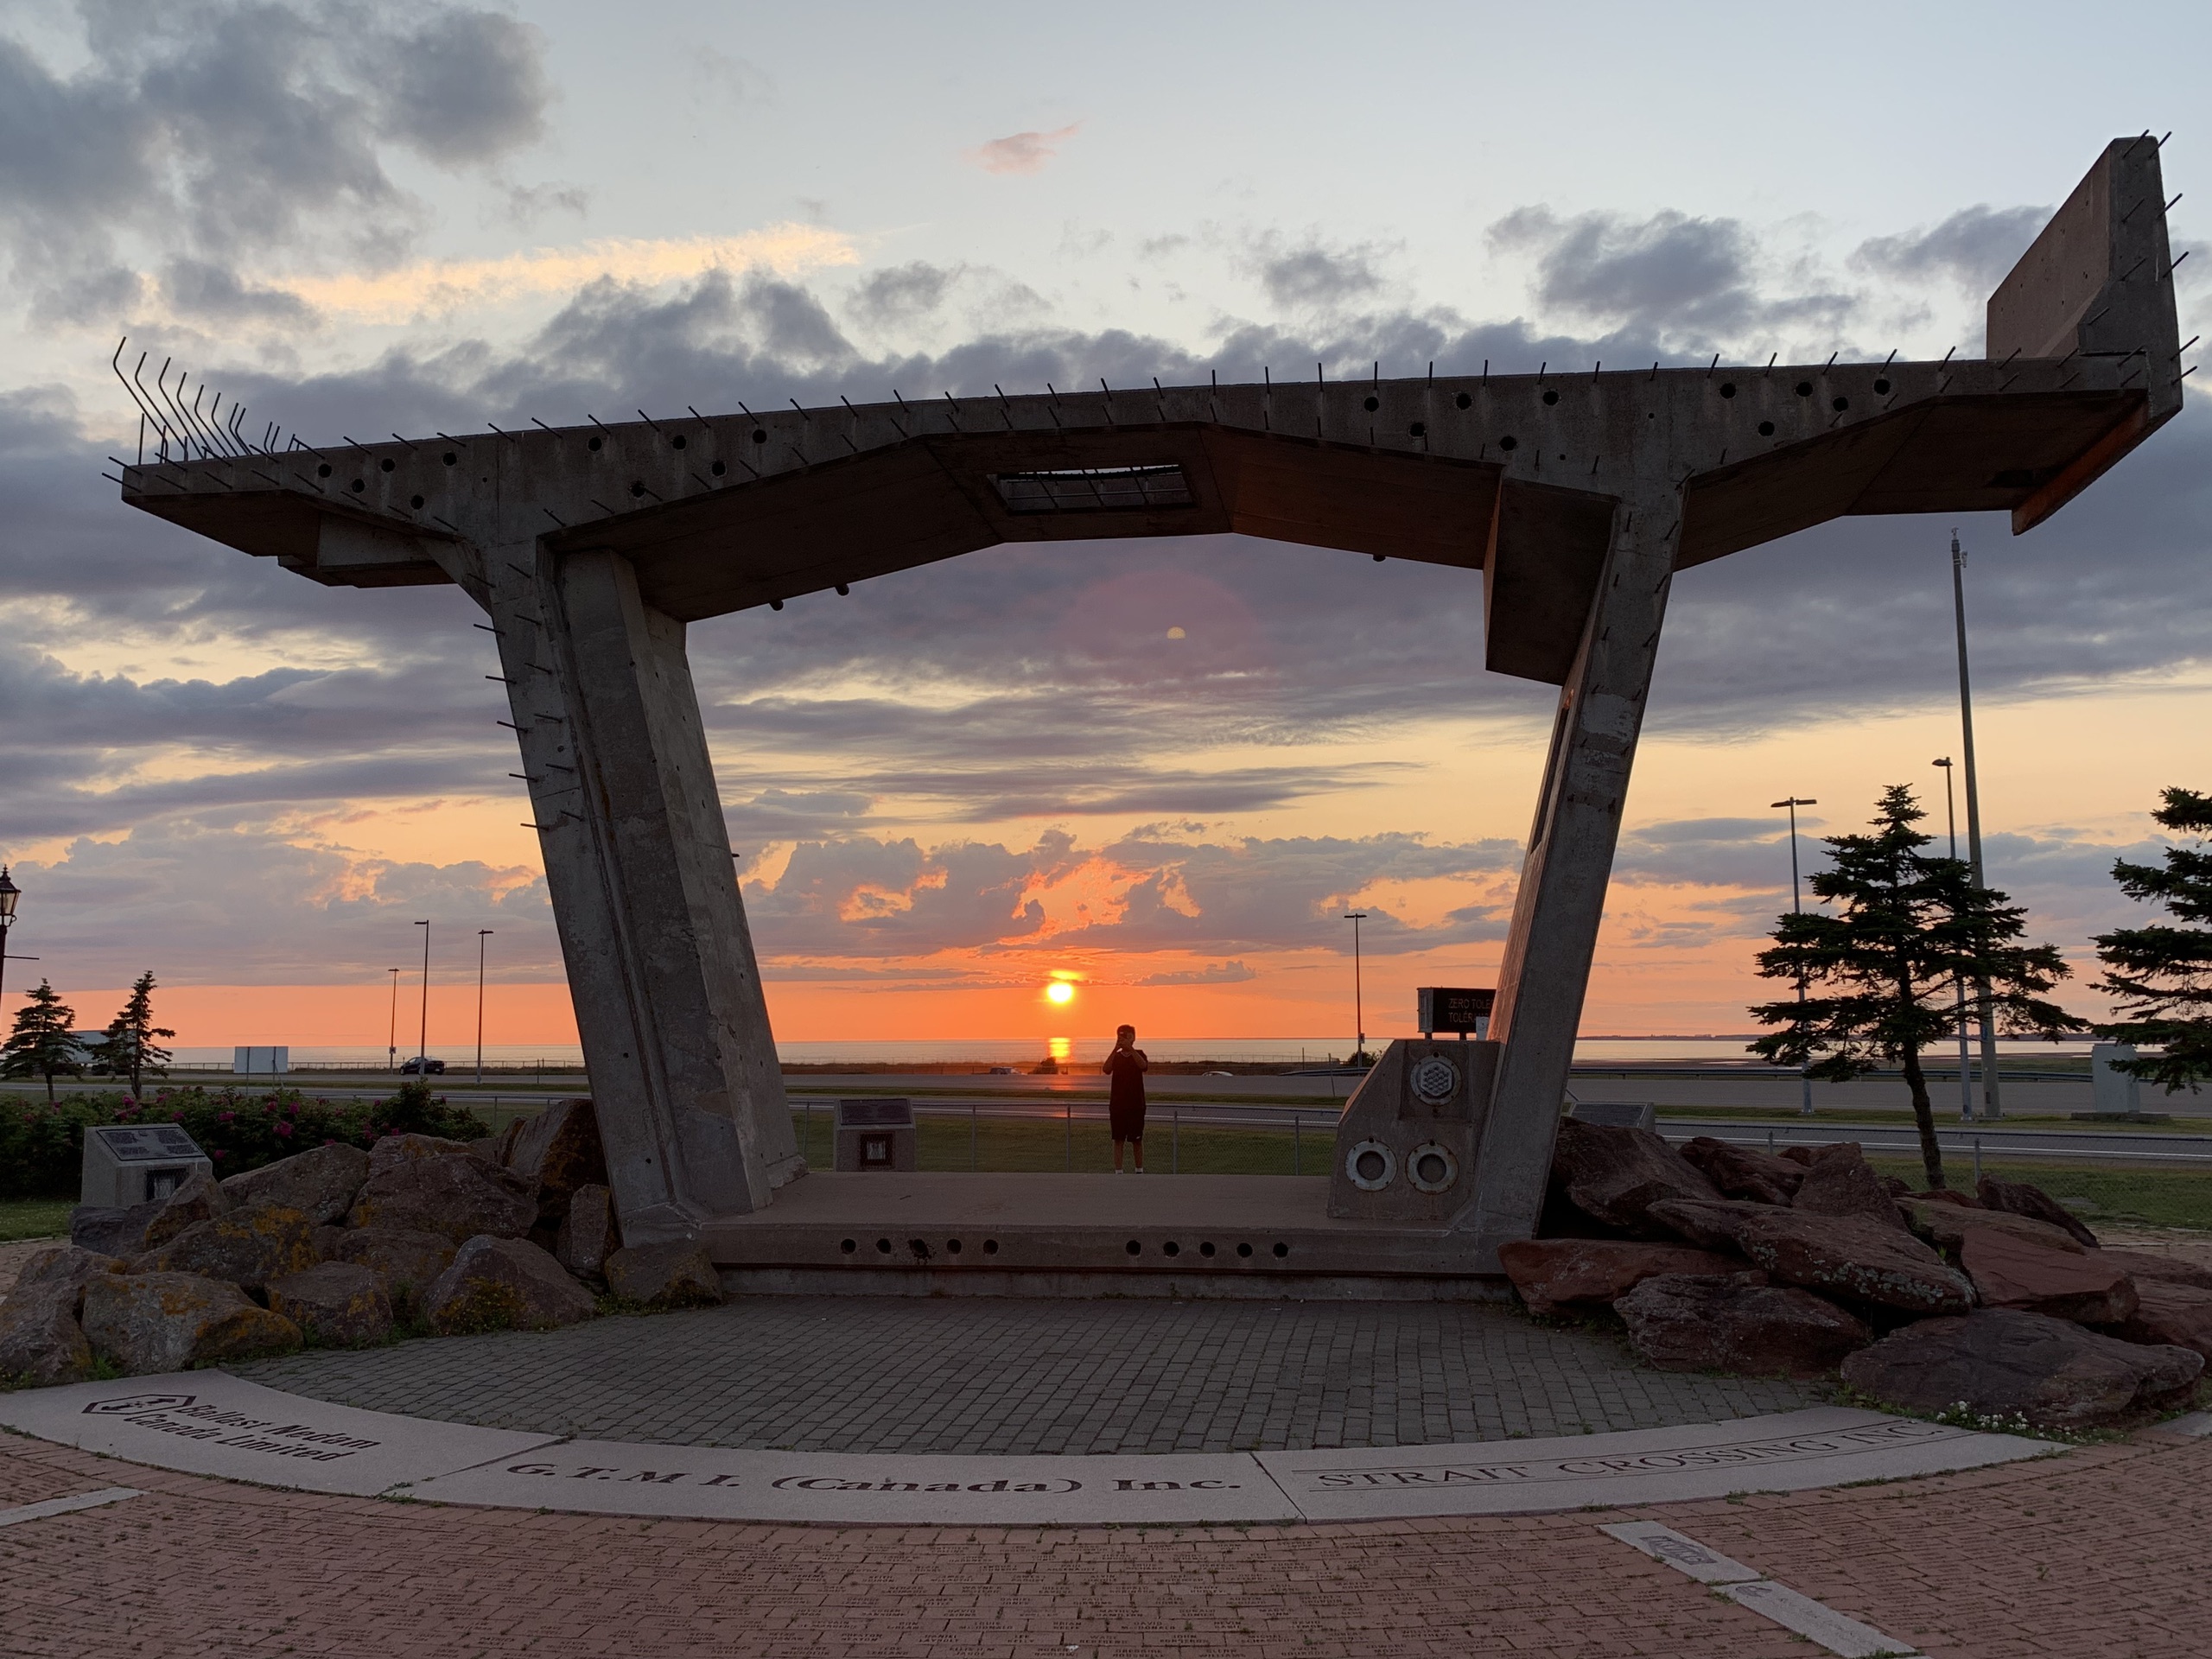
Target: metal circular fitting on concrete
(1434,1079)
(1432,1168)
(1371,1166)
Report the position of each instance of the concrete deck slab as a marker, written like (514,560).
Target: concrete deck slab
(212,1423)
(1797,1451)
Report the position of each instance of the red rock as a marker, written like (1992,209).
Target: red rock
(1840,1182)
(1999,1360)
(1709,1224)
(2008,1272)
(1743,1172)
(1616,1174)
(1553,1273)
(2019,1199)
(1946,1195)
(1738,1323)
(1798,1156)
(2168,1313)
(1946,1225)
(2142,1265)
(1854,1257)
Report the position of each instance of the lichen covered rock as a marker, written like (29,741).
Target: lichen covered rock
(247,1246)
(146,1322)
(427,1185)
(1744,1172)
(1738,1323)
(1840,1182)
(2023,1198)
(1854,1257)
(1616,1174)
(497,1284)
(1556,1274)
(1999,1362)
(589,1232)
(558,1149)
(200,1198)
(679,1274)
(320,1183)
(2078,1285)
(336,1304)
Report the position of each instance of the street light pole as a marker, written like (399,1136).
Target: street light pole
(482,934)
(422,1039)
(1797,908)
(392,1031)
(9,893)
(1358,1001)
(1966,1069)
(1991,1108)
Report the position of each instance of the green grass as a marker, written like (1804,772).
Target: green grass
(35,1218)
(1038,1145)
(2101,1194)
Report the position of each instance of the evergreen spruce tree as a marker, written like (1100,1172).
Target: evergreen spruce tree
(43,1043)
(1907,930)
(2162,975)
(131,1049)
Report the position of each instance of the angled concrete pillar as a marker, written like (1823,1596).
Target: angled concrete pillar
(668,996)
(1561,899)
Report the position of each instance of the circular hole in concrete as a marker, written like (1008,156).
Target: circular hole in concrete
(1419,430)
(1727,388)
(1508,443)
(1134,1247)
(415,501)
(636,489)
(679,442)
(775,604)
(1882,388)
(1371,404)
(991,1247)
(1170,1248)
(387,463)
(450,458)
(1281,1251)
(1371,1166)
(718,469)
(883,1246)
(1550,397)
(1840,404)
(1206,1248)
(1432,1169)
(323,471)
(359,484)
(1462,401)
(848,1246)
(952,1246)
(1804,388)
(1243,1249)
(592,444)
(760,437)
(1766,428)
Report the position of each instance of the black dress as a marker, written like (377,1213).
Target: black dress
(1125,1095)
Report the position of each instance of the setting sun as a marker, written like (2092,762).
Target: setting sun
(1060,991)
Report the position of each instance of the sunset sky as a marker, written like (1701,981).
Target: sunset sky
(1160,770)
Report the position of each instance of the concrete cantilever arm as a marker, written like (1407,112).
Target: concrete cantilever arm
(591,547)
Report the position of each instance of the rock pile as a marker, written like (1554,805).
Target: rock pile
(338,1247)
(2001,1303)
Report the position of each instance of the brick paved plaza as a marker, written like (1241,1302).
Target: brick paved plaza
(985,1376)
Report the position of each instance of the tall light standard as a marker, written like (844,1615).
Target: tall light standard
(391,1032)
(9,893)
(423,1041)
(1797,908)
(1966,1067)
(1358,1003)
(1990,1106)
(482,934)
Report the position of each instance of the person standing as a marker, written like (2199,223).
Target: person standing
(1125,1095)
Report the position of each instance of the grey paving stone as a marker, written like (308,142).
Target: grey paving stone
(1012,1377)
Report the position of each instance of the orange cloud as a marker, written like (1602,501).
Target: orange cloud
(1021,152)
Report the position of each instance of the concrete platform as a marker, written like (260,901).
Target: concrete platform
(936,1233)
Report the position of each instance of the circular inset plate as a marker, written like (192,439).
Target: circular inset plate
(1435,1080)
(1371,1166)
(1432,1168)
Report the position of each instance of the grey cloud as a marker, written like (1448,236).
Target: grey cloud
(1219,973)
(901,294)
(1678,277)
(218,129)
(1974,247)
(212,294)
(1314,276)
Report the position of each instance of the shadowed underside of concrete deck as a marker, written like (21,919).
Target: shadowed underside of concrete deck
(1152,1235)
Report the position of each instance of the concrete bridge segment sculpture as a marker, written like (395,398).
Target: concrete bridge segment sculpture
(1576,495)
